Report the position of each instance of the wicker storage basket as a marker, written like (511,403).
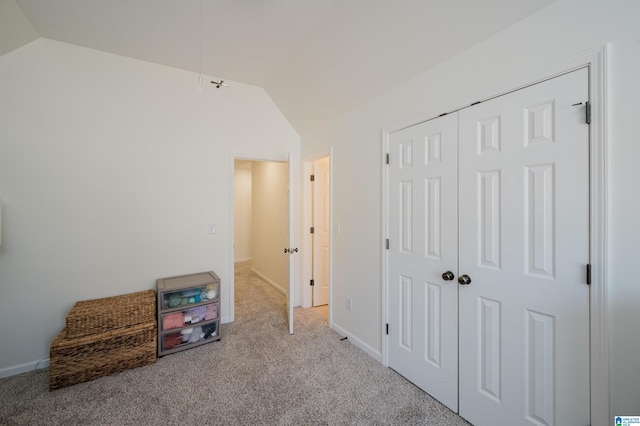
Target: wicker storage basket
(109,313)
(86,358)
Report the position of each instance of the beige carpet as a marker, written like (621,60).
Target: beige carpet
(257,374)
(322,312)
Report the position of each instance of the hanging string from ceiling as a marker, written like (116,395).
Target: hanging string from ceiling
(200,87)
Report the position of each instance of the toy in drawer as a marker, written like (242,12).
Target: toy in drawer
(190,296)
(189,316)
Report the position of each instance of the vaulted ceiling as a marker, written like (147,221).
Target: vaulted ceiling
(316,58)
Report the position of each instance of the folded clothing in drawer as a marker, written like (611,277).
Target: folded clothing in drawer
(195,315)
(211,312)
(172,320)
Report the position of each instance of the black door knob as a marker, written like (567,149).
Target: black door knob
(464,279)
(448,276)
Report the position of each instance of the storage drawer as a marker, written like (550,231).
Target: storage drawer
(188,311)
(190,296)
(189,336)
(189,316)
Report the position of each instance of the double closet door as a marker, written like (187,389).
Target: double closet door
(489,245)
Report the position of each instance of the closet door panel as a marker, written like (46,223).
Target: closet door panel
(524,242)
(423,307)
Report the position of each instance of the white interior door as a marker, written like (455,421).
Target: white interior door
(321,209)
(423,234)
(524,243)
(292,247)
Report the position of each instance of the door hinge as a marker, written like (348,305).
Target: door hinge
(388,160)
(312,178)
(312,283)
(588,274)
(588,112)
(387,329)
(387,244)
(312,230)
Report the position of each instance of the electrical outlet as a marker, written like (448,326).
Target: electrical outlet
(349,303)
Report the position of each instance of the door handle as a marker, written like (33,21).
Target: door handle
(291,250)
(464,279)
(448,276)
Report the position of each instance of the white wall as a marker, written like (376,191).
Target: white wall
(562,30)
(270,222)
(242,210)
(111,170)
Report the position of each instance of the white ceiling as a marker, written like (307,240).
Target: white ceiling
(315,58)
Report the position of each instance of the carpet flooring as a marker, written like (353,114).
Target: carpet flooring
(257,374)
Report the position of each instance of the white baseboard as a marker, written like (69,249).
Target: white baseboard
(24,368)
(248,259)
(377,355)
(269,281)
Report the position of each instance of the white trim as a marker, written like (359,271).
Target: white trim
(269,281)
(0,221)
(385,253)
(596,60)
(332,178)
(247,259)
(599,315)
(24,368)
(357,342)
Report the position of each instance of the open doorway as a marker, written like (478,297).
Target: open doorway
(261,229)
(318,234)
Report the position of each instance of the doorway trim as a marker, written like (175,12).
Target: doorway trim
(596,60)
(233,156)
(307,194)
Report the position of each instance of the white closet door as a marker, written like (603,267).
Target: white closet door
(423,224)
(524,243)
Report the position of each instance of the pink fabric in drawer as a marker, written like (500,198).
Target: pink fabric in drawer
(172,340)
(172,320)
(212,312)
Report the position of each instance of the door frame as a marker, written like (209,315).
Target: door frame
(596,60)
(307,195)
(294,260)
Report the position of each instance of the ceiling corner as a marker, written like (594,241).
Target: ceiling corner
(16,29)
